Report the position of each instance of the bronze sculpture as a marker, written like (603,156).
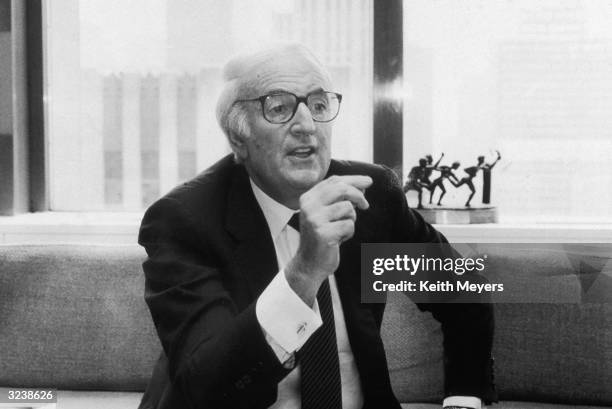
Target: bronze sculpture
(419,178)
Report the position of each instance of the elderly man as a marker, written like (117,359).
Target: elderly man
(252,276)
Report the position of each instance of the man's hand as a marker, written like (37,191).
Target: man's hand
(327,218)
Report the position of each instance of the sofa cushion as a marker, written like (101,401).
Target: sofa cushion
(87,400)
(98,400)
(413,344)
(73,317)
(556,352)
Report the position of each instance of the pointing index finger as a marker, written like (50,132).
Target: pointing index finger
(361,182)
(348,187)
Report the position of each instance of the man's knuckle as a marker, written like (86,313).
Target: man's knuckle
(338,207)
(344,189)
(348,227)
(320,231)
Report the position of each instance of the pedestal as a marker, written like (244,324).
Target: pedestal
(459,215)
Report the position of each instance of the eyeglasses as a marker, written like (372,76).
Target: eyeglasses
(280,107)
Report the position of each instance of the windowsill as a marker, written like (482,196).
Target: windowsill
(122,229)
(527,233)
(70,228)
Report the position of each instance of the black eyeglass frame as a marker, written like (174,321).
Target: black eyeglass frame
(304,99)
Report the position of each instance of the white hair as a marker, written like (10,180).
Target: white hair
(240,75)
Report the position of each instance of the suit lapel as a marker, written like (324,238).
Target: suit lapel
(254,257)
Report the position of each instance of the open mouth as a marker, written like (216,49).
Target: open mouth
(302,152)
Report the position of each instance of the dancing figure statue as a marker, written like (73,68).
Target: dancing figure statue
(429,168)
(415,180)
(446,172)
(467,180)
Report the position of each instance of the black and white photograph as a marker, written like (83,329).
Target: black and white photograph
(305,204)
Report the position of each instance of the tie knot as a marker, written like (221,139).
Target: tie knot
(295,221)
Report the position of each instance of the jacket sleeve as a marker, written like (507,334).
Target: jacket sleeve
(217,355)
(467,327)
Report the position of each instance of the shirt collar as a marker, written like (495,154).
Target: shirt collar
(277,215)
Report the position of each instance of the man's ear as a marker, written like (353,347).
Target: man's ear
(238,145)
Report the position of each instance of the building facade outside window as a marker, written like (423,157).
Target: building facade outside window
(131,89)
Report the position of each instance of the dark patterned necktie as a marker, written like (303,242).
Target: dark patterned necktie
(318,357)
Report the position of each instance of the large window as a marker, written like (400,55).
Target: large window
(532,79)
(132,86)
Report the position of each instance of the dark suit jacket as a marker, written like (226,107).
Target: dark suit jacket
(210,255)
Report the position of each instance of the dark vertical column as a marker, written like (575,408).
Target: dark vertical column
(6,110)
(5,16)
(388,71)
(14,176)
(22,142)
(37,147)
(6,174)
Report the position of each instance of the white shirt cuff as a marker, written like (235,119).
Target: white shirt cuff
(467,401)
(286,320)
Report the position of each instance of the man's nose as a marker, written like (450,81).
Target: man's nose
(302,120)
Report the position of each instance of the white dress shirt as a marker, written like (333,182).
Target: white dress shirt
(288,322)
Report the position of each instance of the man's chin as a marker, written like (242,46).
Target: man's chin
(304,180)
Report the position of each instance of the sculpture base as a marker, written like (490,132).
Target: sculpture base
(459,215)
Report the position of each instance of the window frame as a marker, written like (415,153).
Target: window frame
(37,145)
(24,174)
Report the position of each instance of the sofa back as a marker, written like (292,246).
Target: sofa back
(73,317)
(549,352)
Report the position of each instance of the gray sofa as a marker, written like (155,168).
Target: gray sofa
(73,318)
